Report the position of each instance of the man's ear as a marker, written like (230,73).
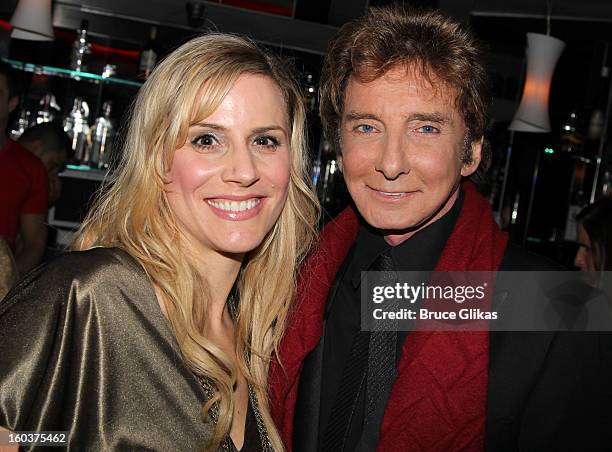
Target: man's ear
(12,103)
(467,169)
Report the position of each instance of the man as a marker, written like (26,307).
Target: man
(404,97)
(23,187)
(51,145)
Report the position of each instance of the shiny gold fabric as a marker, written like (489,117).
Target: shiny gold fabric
(84,347)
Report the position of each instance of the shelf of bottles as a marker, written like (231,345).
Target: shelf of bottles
(105,77)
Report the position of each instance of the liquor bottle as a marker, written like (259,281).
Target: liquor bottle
(148,56)
(48,109)
(310,92)
(80,48)
(77,128)
(571,138)
(102,134)
(21,124)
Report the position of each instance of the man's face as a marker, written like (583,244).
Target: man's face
(402,140)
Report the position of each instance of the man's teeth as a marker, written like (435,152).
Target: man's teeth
(234,206)
(392,194)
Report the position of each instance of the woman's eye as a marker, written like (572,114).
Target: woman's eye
(266,141)
(205,141)
(428,129)
(364,128)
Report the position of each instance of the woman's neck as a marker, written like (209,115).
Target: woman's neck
(220,272)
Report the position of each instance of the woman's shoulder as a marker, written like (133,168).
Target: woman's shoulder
(82,277)
(92,263)
(96,266)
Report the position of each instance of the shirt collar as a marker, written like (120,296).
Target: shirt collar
(419,252)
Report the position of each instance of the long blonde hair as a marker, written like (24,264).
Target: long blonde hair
(132,213)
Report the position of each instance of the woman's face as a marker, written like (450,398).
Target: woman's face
(228,182)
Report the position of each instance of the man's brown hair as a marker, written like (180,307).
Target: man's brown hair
(437,46)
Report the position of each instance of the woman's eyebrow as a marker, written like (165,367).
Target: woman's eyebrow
(265,129)
(209,125)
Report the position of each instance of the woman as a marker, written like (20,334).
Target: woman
(594,228)
(158,332)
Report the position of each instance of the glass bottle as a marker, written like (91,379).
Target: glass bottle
(571,138)
(48,109)
(77,128)
(21,124)
(102,134)
(80,48)
(148,56)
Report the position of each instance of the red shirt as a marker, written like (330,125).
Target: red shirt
(24,188)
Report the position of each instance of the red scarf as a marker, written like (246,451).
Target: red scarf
(438,400)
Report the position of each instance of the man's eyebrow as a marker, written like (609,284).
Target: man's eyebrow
(429,117)
(357,116)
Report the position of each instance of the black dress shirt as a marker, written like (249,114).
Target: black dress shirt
(419,253)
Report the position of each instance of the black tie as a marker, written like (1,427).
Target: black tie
(380,346)
(381,360)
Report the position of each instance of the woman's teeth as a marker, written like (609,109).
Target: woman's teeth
(234,206)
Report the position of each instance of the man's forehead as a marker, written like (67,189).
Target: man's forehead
(423,78)
(399,82)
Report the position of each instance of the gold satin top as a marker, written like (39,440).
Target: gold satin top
(85,348)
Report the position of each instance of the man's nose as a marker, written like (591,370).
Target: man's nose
(241,166)
(393,158)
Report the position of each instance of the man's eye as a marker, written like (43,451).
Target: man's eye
(267,141)
(364,128)
(205,140)
(428,129)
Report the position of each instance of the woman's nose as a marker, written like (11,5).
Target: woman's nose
(241,167)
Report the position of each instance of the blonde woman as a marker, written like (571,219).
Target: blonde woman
(156,331)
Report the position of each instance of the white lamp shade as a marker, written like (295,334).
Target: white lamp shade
(32,21)
(543,52)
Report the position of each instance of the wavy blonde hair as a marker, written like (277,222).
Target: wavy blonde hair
(132,213)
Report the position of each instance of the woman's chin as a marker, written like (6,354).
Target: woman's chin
(242,246)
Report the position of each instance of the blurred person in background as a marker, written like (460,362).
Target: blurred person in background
(51,145)
(24,186)
(594,228)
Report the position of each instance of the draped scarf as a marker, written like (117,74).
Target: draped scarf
(437,402)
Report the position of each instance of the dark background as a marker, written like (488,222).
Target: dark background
(301,30)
